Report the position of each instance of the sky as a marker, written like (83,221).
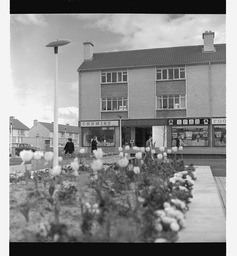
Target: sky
(32,64)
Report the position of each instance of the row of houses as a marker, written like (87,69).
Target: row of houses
(40,135)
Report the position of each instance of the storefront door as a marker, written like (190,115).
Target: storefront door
(142,135)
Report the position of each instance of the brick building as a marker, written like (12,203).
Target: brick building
(165,92)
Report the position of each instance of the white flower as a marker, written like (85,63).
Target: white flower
(174,226)
(175,149)
(164,154)
(172,180)
(123,162)
(180,148)
(162,149)
(48,156)
(142,149)
(167,219)
(159,156)
(158,226)
(140,199)
(161,240)
(135,148)
(127,147)
(138,155)
(148,149)
(37,155)
(169,151)
(126,154)
(56,170)
(130,167)
(98,153)
(166,204)
(120,149)
(97,165)
(153,151)
(75,165)
(26,155)
(136,169)
(121,154)
(60,158)
(160,213)
(96,177)
(142,162)
(82,151)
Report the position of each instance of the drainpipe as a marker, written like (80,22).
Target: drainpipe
(210,99)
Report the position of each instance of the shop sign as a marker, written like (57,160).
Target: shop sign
(99,123)
(218,120)
(188,121)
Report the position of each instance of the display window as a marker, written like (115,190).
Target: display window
(105,136)
(191,136)
(219,135)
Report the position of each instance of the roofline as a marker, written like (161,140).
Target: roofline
(145,66)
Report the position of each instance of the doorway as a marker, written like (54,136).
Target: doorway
(142,135)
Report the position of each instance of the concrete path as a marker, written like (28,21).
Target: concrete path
(205,220)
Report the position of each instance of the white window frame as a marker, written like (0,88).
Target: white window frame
(160,71)
(124,106)
(122,75)
(169,96)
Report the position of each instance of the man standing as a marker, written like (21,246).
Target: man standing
(69,147)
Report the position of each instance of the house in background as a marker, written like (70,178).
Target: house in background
(41,135)
(163,92)
(17,130)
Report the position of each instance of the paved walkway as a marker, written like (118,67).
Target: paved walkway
(205,220)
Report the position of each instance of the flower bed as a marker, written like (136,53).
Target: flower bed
(141,202)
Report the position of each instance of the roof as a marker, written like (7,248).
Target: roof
(17,125)
(61,127)
(182,55)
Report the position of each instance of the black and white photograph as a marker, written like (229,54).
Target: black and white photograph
(117,127)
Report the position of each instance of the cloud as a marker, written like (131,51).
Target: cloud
(27,19)
(158,30)
(68,115)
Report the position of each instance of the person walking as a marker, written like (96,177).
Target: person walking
(69,147)
(94,143)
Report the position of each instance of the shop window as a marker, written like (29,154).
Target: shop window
(220,136)
(105,136)
(191,136)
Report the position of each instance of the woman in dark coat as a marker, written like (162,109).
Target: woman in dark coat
(94,143)
(69,147)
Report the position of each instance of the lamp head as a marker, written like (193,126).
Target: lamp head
(58,43)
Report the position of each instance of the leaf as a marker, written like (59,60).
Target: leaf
(51,189)
(48,209)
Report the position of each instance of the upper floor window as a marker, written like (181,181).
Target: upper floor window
(114,77)
(171,102)
(114,104)
(170,73)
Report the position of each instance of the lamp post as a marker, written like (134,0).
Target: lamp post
(55,45)
(120,131)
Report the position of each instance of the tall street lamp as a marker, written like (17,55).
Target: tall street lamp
(55,45)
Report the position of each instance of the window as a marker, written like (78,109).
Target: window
(220,136)
(105,136)
(114,104)
(191,136)
(114,77)
(170,74)
(170,102)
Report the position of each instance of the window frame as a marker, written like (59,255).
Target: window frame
(119,75)
(161,71)
(167,97)
(124,106)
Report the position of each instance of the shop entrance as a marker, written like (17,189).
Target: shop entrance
(142,135)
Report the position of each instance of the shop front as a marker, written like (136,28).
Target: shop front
(193,132)
(219,132)
(106,131)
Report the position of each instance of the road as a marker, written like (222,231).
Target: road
(218,166)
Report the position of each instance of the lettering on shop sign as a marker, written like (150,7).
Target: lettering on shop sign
(189,121)
(218,120)
(98,123)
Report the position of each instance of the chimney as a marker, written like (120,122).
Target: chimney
(88,50)
(208,38)
(35,122)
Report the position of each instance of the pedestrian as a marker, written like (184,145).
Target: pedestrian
(69,147)
(149,142)
(177,141)
(94,143)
